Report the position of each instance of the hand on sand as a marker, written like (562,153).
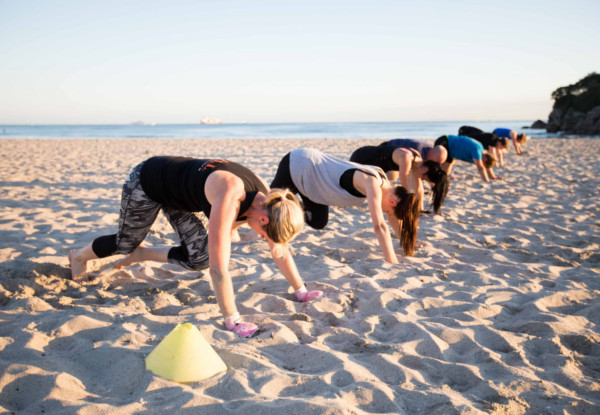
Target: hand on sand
(309,295)
(236,324)
(423,244)
(78,266)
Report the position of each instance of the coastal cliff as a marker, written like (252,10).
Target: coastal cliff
(577,107)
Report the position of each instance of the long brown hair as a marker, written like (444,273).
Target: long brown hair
(407,210)
(439,178)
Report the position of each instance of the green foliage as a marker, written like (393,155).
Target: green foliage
(582,96)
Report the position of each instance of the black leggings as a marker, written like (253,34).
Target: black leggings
(316,215)
(138,213)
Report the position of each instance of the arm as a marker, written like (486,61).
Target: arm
(395,224)
(223,213)
(404,162)
(447,167)
(382,232)
(499,156)
(482,171)
(516,144)
(285,262)
(418,187)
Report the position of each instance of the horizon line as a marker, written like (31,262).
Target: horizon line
(152,124)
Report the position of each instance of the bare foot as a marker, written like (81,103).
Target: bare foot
(78,265)
(132,258)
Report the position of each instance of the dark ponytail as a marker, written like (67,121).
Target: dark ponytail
(440,181)
(407,210)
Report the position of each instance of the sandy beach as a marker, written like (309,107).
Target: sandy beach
(499,312)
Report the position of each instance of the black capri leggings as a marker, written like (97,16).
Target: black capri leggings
(315,214)
(138,213)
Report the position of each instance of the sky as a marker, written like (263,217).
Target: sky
(178,61)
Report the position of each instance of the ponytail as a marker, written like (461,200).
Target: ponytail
(407,210)
(286,217)
(440,181)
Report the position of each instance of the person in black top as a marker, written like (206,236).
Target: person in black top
(408,165)
(491,142)
(229,195)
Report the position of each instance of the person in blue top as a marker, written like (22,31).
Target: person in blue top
(468,150)
(517,139)
(491,142)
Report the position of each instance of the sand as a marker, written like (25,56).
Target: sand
(499,313)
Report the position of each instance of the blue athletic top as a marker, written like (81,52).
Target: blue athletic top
(465,148)
(503,132)
(420,146)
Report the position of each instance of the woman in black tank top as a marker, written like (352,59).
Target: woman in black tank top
(407,165)
(229,195)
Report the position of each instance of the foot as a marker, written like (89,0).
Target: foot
(132,258)
(78,265)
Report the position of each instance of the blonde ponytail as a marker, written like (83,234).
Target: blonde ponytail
(286,217)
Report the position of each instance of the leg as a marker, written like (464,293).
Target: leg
(78,259)
(137,215)
(283,177)
(392,175)
(315,214)
(192,254)
(143,253)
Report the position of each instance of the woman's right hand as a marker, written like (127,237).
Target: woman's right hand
(235,324)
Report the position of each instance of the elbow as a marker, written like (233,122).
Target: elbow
(380,228)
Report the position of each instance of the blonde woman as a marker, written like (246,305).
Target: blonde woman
(229,195)
(517,139)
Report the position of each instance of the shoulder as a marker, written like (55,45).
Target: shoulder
(225,182)
(402,154)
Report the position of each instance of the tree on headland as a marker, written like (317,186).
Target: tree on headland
(577,107)
(581,96)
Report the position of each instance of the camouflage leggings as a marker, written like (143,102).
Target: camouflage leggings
(138,213)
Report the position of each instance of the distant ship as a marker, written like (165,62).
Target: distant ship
(142,123)
(211,121)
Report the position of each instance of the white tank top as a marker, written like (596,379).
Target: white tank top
(317,176)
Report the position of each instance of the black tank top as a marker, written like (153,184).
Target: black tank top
(380,156)
(178,182)
(487,139)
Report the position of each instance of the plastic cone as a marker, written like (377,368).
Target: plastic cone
(184,356)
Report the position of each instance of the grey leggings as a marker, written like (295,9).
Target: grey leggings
(138,213)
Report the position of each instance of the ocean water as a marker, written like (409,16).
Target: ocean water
(381,130)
